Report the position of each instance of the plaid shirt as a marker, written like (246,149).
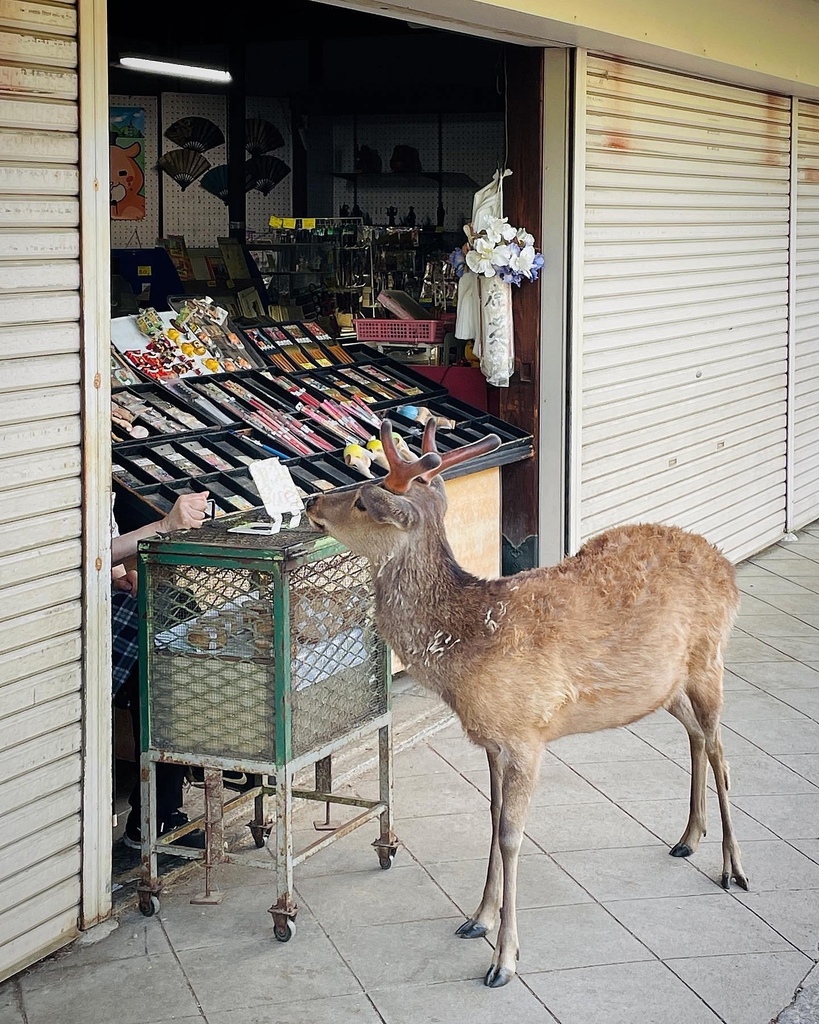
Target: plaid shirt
(125,629)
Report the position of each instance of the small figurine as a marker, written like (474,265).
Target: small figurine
(441,213)
(344,211)
(392,213)
(409,220)
(357,211)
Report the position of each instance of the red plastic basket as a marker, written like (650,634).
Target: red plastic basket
(406,332)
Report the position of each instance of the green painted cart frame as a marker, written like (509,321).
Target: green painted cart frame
(258,654)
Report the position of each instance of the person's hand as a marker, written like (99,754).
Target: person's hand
(188,512)
(128,582)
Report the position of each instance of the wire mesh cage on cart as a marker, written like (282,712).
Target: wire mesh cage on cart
(257,648)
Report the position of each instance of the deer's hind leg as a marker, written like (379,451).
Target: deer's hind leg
(486,916)
(709,721)
(683,711)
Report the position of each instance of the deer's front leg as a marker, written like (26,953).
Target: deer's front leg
(484,918)
(520,772)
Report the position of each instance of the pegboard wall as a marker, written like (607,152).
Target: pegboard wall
(194,212)
(141,234)
(472,144)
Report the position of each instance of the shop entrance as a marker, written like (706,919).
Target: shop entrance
(338,168)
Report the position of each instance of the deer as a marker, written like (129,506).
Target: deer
(637,620)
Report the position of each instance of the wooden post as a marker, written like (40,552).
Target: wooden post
(523,205)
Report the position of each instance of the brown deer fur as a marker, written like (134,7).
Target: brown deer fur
(638,620)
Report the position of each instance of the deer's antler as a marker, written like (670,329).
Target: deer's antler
(453,458)
(402,473)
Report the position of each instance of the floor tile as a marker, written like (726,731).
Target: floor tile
(10,1011)
(404,893)
(556,938)
(134,990)
(749,988)
(790,817)
(459,752)
(801,648)
(757,705)
(136,936)
(247,971)
(460,1002)
(541,883)
(795,566)
(607,745)
(351,853)
(810,848)
(352,1009)
(759,774)
(786,675)
(443,793)
(767,587)
(638,873)
(434,839)
(750,605)
(638,780)
(748,648)
(806,765)
(780,737)
(647,992)
(793,914)
(776,624)
(774,864)
(419,953)
(600,826)
(731,681)
(420,760)
(671,740)
(804,700)
(561,784)
(799,604)
(682,926)
(667,819)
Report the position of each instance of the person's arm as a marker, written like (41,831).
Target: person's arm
(188,512)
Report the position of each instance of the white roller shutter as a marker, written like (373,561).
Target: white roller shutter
(805,451)
(684,313)
(40,482)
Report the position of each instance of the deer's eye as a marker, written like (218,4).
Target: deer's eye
(359,504)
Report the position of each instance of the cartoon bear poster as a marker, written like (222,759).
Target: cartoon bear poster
(127,154)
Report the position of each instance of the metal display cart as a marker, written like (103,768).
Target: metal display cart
(258,654)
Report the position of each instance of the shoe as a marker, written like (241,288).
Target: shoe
(132,837)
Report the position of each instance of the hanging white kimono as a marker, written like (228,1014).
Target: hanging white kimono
(485,303)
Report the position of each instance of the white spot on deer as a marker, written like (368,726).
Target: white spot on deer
(439,644)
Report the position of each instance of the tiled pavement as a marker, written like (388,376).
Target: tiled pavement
(613,930)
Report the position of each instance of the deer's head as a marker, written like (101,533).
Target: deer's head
(381,517)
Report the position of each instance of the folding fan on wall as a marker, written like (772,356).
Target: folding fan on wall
(196,133)
(183,165)
(215,181)
(266,172)
(261,136)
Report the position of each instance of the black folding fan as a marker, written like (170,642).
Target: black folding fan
(196,133)
(183,165)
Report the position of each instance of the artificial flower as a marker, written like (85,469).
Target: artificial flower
(499,228)
(479,258)
(523,238)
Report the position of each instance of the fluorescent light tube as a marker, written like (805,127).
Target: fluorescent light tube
(164,67)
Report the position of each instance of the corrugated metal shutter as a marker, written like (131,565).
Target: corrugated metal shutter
(684,306)
(805,451)
(40,483)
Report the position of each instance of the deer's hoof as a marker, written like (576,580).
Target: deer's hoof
(498,976)
(740,879)
(681,850)
(471,930)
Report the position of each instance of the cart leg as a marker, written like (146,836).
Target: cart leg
(214,834)
(284,910)
(259,826)
(324,784)
(387,844)
(149,885)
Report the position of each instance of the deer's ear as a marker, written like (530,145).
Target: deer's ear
(389,509)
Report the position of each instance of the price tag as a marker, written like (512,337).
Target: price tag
(279,494)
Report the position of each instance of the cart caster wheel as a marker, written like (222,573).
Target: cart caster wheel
(260,834)
(285,933)
(386,861)
(149,907)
